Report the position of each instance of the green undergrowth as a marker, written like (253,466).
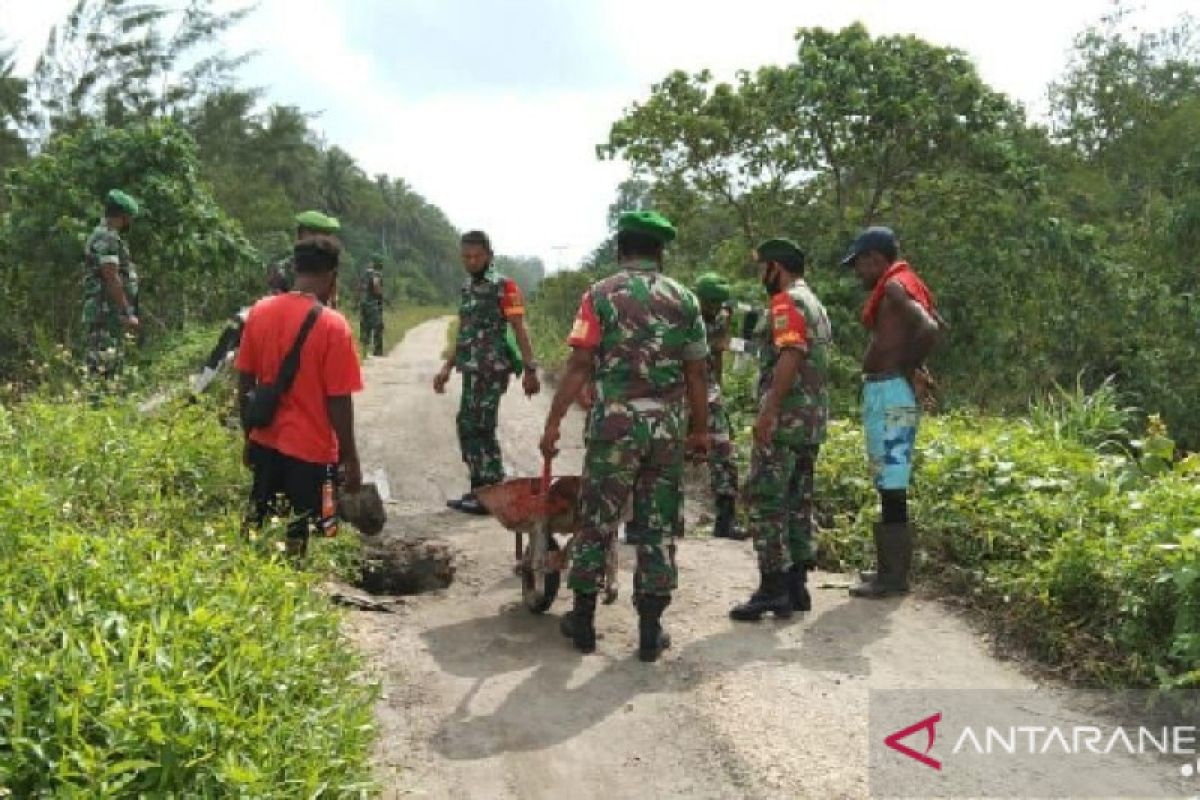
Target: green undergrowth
(1084,553)
(148,649)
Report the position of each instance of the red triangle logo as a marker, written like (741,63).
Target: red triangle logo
(929,725)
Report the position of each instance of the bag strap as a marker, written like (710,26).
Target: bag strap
(291,362)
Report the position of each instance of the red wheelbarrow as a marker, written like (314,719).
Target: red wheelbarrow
(539,508)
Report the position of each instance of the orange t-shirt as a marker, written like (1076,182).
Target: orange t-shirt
(328,368)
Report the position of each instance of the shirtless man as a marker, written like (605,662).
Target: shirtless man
(904,328)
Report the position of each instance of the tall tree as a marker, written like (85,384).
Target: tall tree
(117,61)
(14,106)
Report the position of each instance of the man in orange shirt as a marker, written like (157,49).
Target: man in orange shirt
(312,430)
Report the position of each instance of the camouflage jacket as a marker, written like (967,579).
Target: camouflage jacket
(797,319)
(105,247)
(487,304)
(641,326)
(281,276)
(370,300)
(717,332)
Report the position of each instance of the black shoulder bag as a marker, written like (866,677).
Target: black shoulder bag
(261,402)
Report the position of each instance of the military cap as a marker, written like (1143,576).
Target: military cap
(782,250)
(122,201)
(647,223)
(713,288)
(316,221)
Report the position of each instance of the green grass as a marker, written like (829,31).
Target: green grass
(147,648)
(398,322)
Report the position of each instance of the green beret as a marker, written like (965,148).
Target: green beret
(712,288)
(649,223)
(377,258)
(316,221)
(122,201)
(781,250)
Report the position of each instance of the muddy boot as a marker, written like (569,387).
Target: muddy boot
(725,526)
(652,638)
(893,548)
(771,595)
(579,624)
(797,577)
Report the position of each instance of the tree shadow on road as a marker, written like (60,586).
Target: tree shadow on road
(551,706)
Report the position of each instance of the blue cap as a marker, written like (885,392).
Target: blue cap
(876,238)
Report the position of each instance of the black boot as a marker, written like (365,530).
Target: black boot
(579,624)
(470,505)
(797,577)
(652,639)
(725,526)
(772,595)
(893,551)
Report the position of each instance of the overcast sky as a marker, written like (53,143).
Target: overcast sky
(492,108)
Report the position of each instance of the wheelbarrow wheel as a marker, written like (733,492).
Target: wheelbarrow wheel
(535,601)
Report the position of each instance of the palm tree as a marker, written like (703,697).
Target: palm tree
(336,180)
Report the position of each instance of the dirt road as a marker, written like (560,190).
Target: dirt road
(483,699)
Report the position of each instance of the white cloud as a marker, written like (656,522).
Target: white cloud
(521,163)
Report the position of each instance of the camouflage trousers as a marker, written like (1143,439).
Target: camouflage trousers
(780,504)
(370,331)
(478,415)
(104,351)
(648,463)
(722,467)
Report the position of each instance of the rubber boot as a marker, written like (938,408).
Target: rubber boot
(797,577)
(725,526)
(893,548)
(579,624)
(652,638)
(772,595)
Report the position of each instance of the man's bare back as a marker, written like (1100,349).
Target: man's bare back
(902,336)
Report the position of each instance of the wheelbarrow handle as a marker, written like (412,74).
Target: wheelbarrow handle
(546,475)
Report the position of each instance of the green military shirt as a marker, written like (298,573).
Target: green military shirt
(641,326)
(486,305)
(798,319)
(105,247)
(717,332)
(372,302)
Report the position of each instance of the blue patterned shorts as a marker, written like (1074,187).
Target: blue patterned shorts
(891,416)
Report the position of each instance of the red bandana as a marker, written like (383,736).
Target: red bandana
(903,274)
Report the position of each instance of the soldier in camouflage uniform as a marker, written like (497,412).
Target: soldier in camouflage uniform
(371,308)
(492,344)
(713,291)
(794,354)
(110,288)
(639,336)
(282,273)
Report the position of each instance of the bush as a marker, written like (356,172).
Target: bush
(146,648)
(1089,559)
